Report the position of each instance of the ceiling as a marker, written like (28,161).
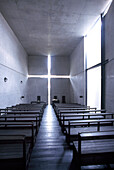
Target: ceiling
(51,26)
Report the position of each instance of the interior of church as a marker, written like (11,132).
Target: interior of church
(56,84)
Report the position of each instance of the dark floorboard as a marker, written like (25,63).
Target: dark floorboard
(50,152)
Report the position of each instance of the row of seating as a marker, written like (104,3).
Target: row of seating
(19,126)
(90,132)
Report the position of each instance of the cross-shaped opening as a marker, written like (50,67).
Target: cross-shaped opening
(49,77)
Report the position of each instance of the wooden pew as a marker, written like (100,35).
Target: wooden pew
(25,113)
(22,118)
(39,109)
(75,108)
(14,152)
(71,110)
(27,107)
(62,113)
(65,118)
(89,125)
(68,105)
(39,102)
(20,128)
(95,148)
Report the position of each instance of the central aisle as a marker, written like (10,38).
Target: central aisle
(50,152)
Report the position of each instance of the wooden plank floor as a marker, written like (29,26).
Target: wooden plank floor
(50,152)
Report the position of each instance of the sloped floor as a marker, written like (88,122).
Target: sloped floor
(51,151)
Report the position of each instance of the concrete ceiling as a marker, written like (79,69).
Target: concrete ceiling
(51,26)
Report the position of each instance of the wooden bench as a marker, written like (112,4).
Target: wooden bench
(39,102)
(76,108)
(20,128)
(25,113)
(95,148)
(14,152)
(78,112)
(57,106)
(89,125)
(65,118)
(63,110)
(91,122)
(22,118)
(72,110)
(27,107)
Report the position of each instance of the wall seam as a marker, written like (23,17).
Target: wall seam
(13,70)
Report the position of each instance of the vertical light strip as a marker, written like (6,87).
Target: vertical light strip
(49,81)
(49,88)
(49,65)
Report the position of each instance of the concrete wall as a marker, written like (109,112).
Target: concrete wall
(77,66)
(109,54)
(38,65)
(13,65)
(77,74)
(37,87)
(60,65)
(60,87)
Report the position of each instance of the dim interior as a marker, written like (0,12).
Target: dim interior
(56,84)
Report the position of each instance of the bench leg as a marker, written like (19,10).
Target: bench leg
(76,159)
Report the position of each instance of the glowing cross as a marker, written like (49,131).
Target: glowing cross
(49,76)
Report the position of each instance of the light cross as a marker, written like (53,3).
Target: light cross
(49,77)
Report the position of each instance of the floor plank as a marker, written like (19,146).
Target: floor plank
(51,150)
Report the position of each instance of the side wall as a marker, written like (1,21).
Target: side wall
(77,74)
(13,66)
(109,54)
(77,66)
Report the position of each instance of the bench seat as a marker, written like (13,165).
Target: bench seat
(95,148)
(73,136)
(14,152)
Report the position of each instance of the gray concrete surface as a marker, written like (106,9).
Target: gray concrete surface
(13,66)
(77,74)
(52,26)
(109,54)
